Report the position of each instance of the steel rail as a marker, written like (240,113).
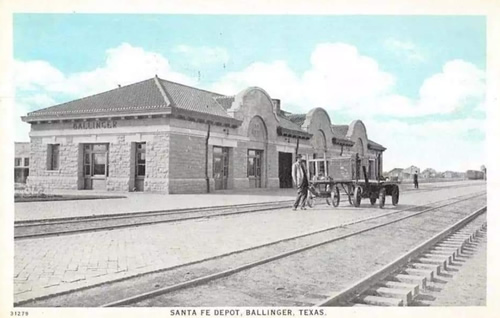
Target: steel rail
(119,226)
(205,279)
(126,215)
(364,284)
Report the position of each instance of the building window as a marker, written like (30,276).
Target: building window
(17,162)
(141,159)
(53,157)
(254,163)
(26,162)
(95,161)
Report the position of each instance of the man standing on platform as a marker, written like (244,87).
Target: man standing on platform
(299,177)
(415,180)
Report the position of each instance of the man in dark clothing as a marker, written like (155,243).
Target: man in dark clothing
(415,180)
(299,176)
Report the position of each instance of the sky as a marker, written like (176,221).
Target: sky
(417,82)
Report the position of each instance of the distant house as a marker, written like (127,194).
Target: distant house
(429,173)
(21,161)
(450,174)
(395,174)
(409,172)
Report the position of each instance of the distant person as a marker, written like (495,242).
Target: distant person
(415,180)
(299,177)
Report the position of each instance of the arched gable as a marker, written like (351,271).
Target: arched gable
(319,141)
(316,117)
(265,100)
(357,134)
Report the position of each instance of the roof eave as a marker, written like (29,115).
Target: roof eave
(79,116)
(205,117)
(377,148)
(342,142)
(285,132)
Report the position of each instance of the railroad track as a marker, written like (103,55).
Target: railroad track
(40,228)
(217,284)
(402,281)
(72,225)
(226,265)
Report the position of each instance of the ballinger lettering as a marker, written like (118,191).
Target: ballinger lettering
(95,124)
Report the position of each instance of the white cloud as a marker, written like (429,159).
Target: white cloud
(405,49)
(32,75)
(203,55)
(440,145)
(340,78)
(276,78)
(124,65)
(459,82)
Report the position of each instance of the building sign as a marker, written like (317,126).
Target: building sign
(95,124)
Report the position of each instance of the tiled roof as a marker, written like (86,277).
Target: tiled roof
(145,96)
(297,118)
(225,101)
(374,145)
(193,99)
(139,96)
(286,123)
(288,127)
(340,131)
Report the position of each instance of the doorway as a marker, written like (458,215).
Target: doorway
(221,167)
(255,168)
(140,166)
(95,166)
(285,161)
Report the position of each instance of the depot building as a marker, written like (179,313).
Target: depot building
(162,136)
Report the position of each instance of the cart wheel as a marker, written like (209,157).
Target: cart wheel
(395,195)
(373,200)
(335,196)
(310,200)
(349,195)
(357,197)
(381,198)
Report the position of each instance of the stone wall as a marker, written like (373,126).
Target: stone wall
(120,165)
(157,163)
(65,177)
(187,164)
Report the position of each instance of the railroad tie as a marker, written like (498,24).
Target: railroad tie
(428,274)
(429,259)
(402,294)
(392,284)
(455,251)
(444,254)
(421,281)
(433,267)
(450,245)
